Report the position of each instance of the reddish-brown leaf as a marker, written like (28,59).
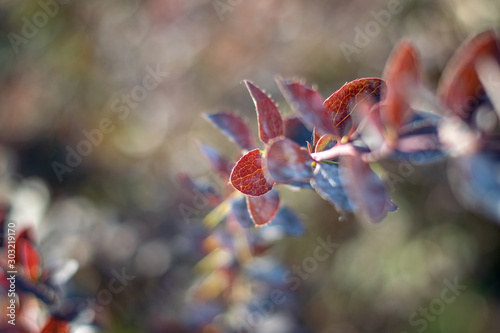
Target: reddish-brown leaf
(262,209)
(234,128)
(402,75)
(342,103)
(288,162)
(309,104)
(268,115)
(27,255)
(55,325)
(248,175)
(459,89)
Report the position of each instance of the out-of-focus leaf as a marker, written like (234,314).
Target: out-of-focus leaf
(263,208)
(240,211)
(390,206)
(288,162)
(419,140)
(343,102)
(234,128)
(296,131)
(460,89)
(268,115)
(195,188)
(402,74)
(55,325)
(27,255)
(364,188)
(309,104)
(325,142)
(287,219)
(475,181)
(420,123)
(326,182)
(4,211)
(217,214)
(248,175)
(216,160)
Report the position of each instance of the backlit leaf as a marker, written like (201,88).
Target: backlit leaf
(309,104)
(460,89)
(263,208)
(288,162)
(402,75)
(343,102)
(364,188)
(234,128)
(268,115)
(325,142)
(248,175)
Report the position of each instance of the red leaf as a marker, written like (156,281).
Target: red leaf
(262,209)
(364,188)
(288,162)
(27,255)
(234,128)
(402,74)
(342,103)
(216,160)
(248,175)
(309,104)
(459,88)
(268,115)
(55,325)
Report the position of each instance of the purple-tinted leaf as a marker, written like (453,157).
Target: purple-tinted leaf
(390,206)
(248,175)
(205,190)
(263,208)
(475,182)
(288,162)
(364,188)
(234,128)
(268,115)
(295,130)
(216,160)
(309,104)
(460,89)
(326,182)
(418,139)
(285,218)
(239,209)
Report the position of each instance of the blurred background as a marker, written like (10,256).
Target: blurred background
(101,105)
